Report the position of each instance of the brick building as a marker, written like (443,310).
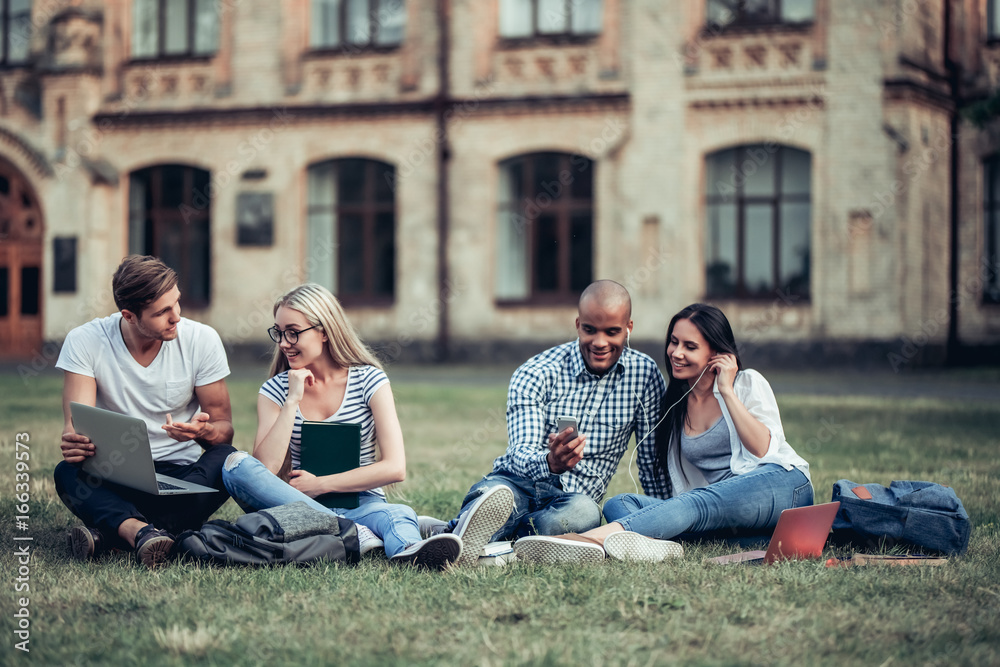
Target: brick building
(457,170)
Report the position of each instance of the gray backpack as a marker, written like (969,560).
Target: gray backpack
(293,533)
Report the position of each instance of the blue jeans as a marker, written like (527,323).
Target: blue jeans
(253,486)
(540,508)
(740,504)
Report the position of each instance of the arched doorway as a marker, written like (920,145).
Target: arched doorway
(20,264)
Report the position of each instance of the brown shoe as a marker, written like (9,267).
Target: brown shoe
(153,547)
(86,543)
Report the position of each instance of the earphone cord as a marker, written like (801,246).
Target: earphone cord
(650,431)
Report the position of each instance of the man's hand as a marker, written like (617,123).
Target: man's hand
(565,451)
(198,427)
(306,482)
(76,447)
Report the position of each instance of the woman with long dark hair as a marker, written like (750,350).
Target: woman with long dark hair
(721,456)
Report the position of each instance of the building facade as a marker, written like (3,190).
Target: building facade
(457,170)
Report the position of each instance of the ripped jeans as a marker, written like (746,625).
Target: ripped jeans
(253,486)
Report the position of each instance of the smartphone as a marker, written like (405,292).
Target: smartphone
(564,422)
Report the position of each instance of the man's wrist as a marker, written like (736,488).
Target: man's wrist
(209,437)
(548,463)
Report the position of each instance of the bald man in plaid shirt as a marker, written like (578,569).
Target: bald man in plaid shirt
(550,483)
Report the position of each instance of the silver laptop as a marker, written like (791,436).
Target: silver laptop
(122,454)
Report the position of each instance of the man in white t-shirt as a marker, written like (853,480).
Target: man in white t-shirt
(146,361)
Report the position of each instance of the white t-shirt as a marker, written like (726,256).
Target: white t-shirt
(194,359)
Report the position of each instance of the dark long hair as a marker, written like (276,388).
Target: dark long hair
(718,333)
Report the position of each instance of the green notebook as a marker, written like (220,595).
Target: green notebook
(328,448)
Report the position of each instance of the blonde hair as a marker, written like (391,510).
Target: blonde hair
(322,309)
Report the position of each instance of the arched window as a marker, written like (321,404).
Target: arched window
(352,229)
(545,230)
(758,214)
(991,238)
(169,214)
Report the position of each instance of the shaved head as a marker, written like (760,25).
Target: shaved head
(607,295)
(603,325)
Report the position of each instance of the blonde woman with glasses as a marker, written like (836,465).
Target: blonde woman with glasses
(322,371)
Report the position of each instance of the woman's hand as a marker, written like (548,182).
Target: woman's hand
(725,367)
(298,380)
(307,483)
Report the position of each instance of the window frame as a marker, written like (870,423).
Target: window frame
(566,37)
(6,19)
(741,201)
(372,46)
(368,209)
(191,212)
(773,20)
(991,228)
(189,53)
(992,9)
(563,208)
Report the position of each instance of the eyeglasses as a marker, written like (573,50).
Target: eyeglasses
(290,335)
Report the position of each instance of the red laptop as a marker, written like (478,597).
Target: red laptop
(801,533)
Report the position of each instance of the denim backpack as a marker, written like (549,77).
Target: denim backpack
(293,533)
(917,514)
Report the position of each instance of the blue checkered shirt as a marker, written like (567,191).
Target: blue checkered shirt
(609,409)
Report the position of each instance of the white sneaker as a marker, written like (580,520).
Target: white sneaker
(367,540)
(633,547)
(477,525)
(548,549)
(434,553)
(430,526)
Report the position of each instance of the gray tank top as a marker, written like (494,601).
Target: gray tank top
(710,451)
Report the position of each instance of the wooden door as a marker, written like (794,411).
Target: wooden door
(20,265)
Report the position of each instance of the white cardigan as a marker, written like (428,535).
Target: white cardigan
(755,394)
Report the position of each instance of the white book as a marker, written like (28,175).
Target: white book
(497,554)
(496,548)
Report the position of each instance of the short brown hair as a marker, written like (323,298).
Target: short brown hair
(140,280)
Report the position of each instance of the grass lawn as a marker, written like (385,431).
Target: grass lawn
(113,612)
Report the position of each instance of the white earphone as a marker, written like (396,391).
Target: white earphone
(664,416)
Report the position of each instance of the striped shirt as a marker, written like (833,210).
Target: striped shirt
(362,383)
(608,408)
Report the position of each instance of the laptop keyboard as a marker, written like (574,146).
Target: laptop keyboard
(167,486)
